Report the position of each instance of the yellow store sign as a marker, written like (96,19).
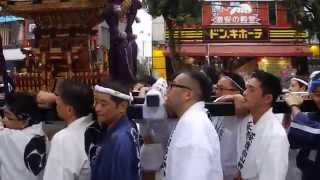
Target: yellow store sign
(159,62)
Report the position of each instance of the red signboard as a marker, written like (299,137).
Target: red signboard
(243,13)
(234,13)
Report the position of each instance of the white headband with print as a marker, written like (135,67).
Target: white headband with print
(301,81)
(235,83)
(113,93)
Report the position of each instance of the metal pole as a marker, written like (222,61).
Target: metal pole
(143,49)
(208,54)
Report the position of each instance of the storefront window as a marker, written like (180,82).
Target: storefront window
(272,13)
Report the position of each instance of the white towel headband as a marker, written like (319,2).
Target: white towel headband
(235,83)
(113,93)
(301,81)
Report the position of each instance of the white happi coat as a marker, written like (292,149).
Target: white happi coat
(267,157)
(194,149)
(67,157)
(226,127)
(18,153)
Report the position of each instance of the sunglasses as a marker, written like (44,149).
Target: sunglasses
(220,88)
(172,85)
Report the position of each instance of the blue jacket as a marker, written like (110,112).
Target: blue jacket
(304,133)
(118,158)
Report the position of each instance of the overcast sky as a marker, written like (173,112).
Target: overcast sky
(143,30)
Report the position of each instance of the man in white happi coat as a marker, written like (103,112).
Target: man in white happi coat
(23,151)
(262,141)
(67,158)
(193,148)
(226,126)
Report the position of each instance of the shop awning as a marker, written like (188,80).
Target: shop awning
(244,49)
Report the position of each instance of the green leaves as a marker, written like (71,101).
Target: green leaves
(180,11)
(305,14)
(175,12)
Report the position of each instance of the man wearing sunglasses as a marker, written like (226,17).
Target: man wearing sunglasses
(229,84)
(304,132)
(193,149)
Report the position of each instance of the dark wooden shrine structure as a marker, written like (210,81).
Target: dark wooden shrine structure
(63,47)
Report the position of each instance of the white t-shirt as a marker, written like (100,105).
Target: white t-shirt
(22,153)
(67,158)
(267,156)
(226,127)
(194,149)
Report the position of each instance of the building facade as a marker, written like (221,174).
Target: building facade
(248,35)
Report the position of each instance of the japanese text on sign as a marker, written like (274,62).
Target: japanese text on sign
(235,20)
(236,34)
(234,13)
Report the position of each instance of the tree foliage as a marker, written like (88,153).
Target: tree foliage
(305,14)
(178,10)
(175,12)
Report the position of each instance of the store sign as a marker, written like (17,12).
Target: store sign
(236,34)
(235,13)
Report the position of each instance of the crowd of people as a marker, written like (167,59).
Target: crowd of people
(100,141)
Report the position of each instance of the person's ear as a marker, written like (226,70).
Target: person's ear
(70,110)
(268,98)
(123,106)
(188,95)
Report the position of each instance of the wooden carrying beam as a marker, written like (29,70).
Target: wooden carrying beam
(217,108)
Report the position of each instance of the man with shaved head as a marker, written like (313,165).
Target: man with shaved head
(193,149)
